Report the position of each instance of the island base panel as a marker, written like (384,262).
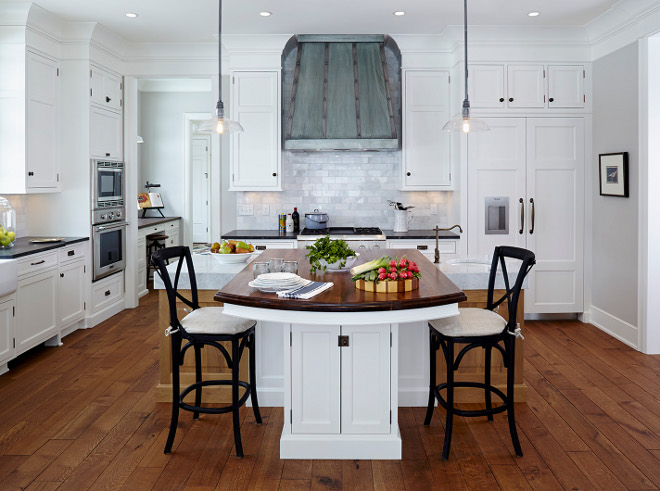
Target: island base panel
(341,447)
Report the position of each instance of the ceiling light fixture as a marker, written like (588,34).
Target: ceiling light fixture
(131,15)
(465,123)
(534,14)
(265,14)
(219,123)
(399,13)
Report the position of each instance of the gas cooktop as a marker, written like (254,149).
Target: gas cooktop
(346,233)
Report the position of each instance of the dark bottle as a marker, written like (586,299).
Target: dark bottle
(296,220)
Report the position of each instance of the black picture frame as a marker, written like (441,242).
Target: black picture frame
(613,174)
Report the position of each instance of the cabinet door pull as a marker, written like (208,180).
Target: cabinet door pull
(531,200)
(38,262)
(274,174)
(522,216)
(107,293)
(408,174)
(552,99)
(61,275)
(107,99)
(71,253)
(260,248)
(501,99)
(510,99)
(422,247)
(107,154)
(30,173)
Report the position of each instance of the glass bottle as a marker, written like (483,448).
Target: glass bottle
(7,224)
(296,220)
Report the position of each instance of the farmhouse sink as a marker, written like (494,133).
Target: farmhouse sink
(468,262)
(8,276)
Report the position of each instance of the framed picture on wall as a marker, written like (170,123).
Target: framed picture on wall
(614,174)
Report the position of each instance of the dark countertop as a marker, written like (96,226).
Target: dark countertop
(274,234)
(148,222)
(22,246)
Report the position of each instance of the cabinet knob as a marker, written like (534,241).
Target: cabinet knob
(510,99)
(552,99)
(501,99)
(274,174)
(61,275)
(107,154)
(30,173)
(107,99)
(408,173)
(107,293)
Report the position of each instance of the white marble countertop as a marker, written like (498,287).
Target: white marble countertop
(213,275)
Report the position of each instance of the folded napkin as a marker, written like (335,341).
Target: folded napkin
(305,292)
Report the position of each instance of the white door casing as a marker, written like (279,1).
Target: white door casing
(201,169)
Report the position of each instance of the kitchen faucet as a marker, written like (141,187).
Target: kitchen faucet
(437,246)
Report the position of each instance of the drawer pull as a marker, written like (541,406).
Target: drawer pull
(61,275)
(260,248)
(71,253)
(38,262)
(422,247)
(107,154)
(107,293)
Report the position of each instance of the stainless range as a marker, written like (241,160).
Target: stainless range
(358,238)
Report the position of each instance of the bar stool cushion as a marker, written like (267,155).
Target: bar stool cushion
(212,320)
(470,322)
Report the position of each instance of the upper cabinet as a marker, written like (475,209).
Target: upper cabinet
(105,89)
(106,119)
(29,116)
(537,87)
(426,148)
(255,154)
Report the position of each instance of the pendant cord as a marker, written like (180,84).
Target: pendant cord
(219,50)
(465,33)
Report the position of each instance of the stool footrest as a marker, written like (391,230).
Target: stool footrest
(212,410)
(472,412)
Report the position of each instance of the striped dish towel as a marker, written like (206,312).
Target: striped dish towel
(307,291)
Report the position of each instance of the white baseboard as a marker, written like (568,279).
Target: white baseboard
(105,314)
(268,397)
(73,327)
(620,329)
(585,317)
(413,397)
(3,368)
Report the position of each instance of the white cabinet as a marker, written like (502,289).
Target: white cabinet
(426,148)
(535,167)
(486,86)
(71,286)
(566,86)
(6,329)
(340,389)
(255,154)
(29,118)
(526,86)
(105,89)
(36,309)
(106,134)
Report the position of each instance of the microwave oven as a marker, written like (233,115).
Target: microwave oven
(107,184)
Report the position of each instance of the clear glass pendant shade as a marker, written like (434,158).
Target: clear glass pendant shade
(220,126)
(466,125)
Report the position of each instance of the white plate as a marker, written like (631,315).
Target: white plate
(232,258)
(277,287)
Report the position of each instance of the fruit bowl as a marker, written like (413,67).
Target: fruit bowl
(334,267)
(232,258)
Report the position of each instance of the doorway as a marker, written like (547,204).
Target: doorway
(201,190)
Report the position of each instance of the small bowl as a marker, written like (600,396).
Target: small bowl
(232,258)
(350,261)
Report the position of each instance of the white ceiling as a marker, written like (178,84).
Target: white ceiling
(196,20)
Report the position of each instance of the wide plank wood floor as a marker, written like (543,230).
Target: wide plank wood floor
(84,416)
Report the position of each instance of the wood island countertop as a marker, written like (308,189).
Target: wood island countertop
(435,288)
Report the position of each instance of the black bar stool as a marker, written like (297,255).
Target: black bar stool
(205,326)
(486,329)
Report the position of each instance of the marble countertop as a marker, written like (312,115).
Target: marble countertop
(213,275)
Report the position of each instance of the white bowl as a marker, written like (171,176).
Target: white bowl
(232,258)
(335,266)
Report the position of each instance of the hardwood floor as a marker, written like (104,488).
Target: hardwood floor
(84,416)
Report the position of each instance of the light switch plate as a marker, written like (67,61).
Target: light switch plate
(246,210)
(434,208)
(265,210)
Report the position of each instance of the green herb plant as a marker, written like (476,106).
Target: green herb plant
(328,250)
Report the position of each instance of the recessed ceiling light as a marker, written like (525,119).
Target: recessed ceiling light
(534,14)
(265,14)
(399,13)
(131,15)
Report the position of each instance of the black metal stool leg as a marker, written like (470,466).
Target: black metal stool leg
(432,379)
(198,378)
(510,410)
(449,355)
(176,350)
(489,403)
(253,380)
(234,398)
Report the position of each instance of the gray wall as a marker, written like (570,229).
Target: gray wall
(161,125)
(614,220)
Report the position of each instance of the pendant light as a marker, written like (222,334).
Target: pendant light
(465,123)
(219,124)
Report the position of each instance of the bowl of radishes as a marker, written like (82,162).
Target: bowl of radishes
(386,275)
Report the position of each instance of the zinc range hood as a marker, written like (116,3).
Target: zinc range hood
(340,98)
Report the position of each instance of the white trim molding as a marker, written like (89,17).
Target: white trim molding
(618,328)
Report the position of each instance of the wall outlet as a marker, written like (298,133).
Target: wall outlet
(246,210)
(265,210)
(434,208)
